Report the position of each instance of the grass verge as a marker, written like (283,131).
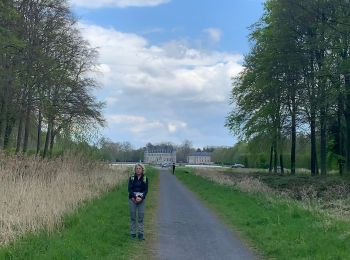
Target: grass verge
(278,228)
(98,230)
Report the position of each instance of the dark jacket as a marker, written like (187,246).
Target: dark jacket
(138,185)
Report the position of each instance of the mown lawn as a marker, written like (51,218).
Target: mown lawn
(97,230)
(276,227)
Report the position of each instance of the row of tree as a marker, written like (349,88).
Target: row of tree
(125,152)
(296,81)
(120,151)
(44,83)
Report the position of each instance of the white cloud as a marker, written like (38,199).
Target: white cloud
(117,3)
(167,92)
(125,119)
(174,126)
(110,101)
(146,127)
(138,124)
(214,34)
(130,63)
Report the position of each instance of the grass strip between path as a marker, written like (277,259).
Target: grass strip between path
(97,230)
(278,228)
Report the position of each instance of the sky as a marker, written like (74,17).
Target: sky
(165,66)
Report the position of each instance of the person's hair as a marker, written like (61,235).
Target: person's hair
(141,165)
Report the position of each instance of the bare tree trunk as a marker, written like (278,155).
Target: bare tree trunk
(281,163)
(323,131)
(347,161)
(9,127)
(339,135)
(275,157)
(281,152)
(323,140)
(5,104)
(27,124)
(19,133)
(52,139)
(38,142)
(294,137)
(313,165)
(48,137)
(271,158)
(3,115)
(347,121)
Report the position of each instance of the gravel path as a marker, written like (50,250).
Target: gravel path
(188,230)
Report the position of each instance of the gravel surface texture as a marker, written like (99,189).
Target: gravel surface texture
(189,230)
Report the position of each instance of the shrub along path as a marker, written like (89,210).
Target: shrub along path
(97,230)
(188,230)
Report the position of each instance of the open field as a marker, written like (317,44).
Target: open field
(36,193)
(278,226)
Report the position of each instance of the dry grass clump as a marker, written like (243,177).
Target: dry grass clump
(241,182)
(36,193)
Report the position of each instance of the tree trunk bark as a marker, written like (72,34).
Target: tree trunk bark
(323,142)
(339,135)
(9,127)
(294,137)
(27,124)
(323,129)
(38,142)
(271,158)
(347,161)
(280,144)
(19,133)
(3,115)
(281,163)
(52,139)
(275,157)
(313,144)
(48,137)
(347,122)
(5,103)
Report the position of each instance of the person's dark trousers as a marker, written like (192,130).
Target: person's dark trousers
(138,209)
(173,170)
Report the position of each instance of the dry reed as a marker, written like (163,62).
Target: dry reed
(245,184)
(35,194)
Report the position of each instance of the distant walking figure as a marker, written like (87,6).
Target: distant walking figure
(173,168)
(138,188)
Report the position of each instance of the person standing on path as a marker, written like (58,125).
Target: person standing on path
(173,168)
(138,188)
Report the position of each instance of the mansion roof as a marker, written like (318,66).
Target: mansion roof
(200,154)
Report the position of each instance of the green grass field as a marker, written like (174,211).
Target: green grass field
(276,227)
(98,230)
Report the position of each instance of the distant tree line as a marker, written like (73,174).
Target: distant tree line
(44,76)
(125,152)
(296,82)
(253,153)
(120,151)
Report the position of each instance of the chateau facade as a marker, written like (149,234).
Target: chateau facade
(160,155)
(199,158)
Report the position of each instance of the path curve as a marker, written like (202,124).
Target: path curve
(188,230)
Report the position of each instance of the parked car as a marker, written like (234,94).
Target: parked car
(238,165)
(164,165)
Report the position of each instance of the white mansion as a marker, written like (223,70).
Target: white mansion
(159,155)
(199,158)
